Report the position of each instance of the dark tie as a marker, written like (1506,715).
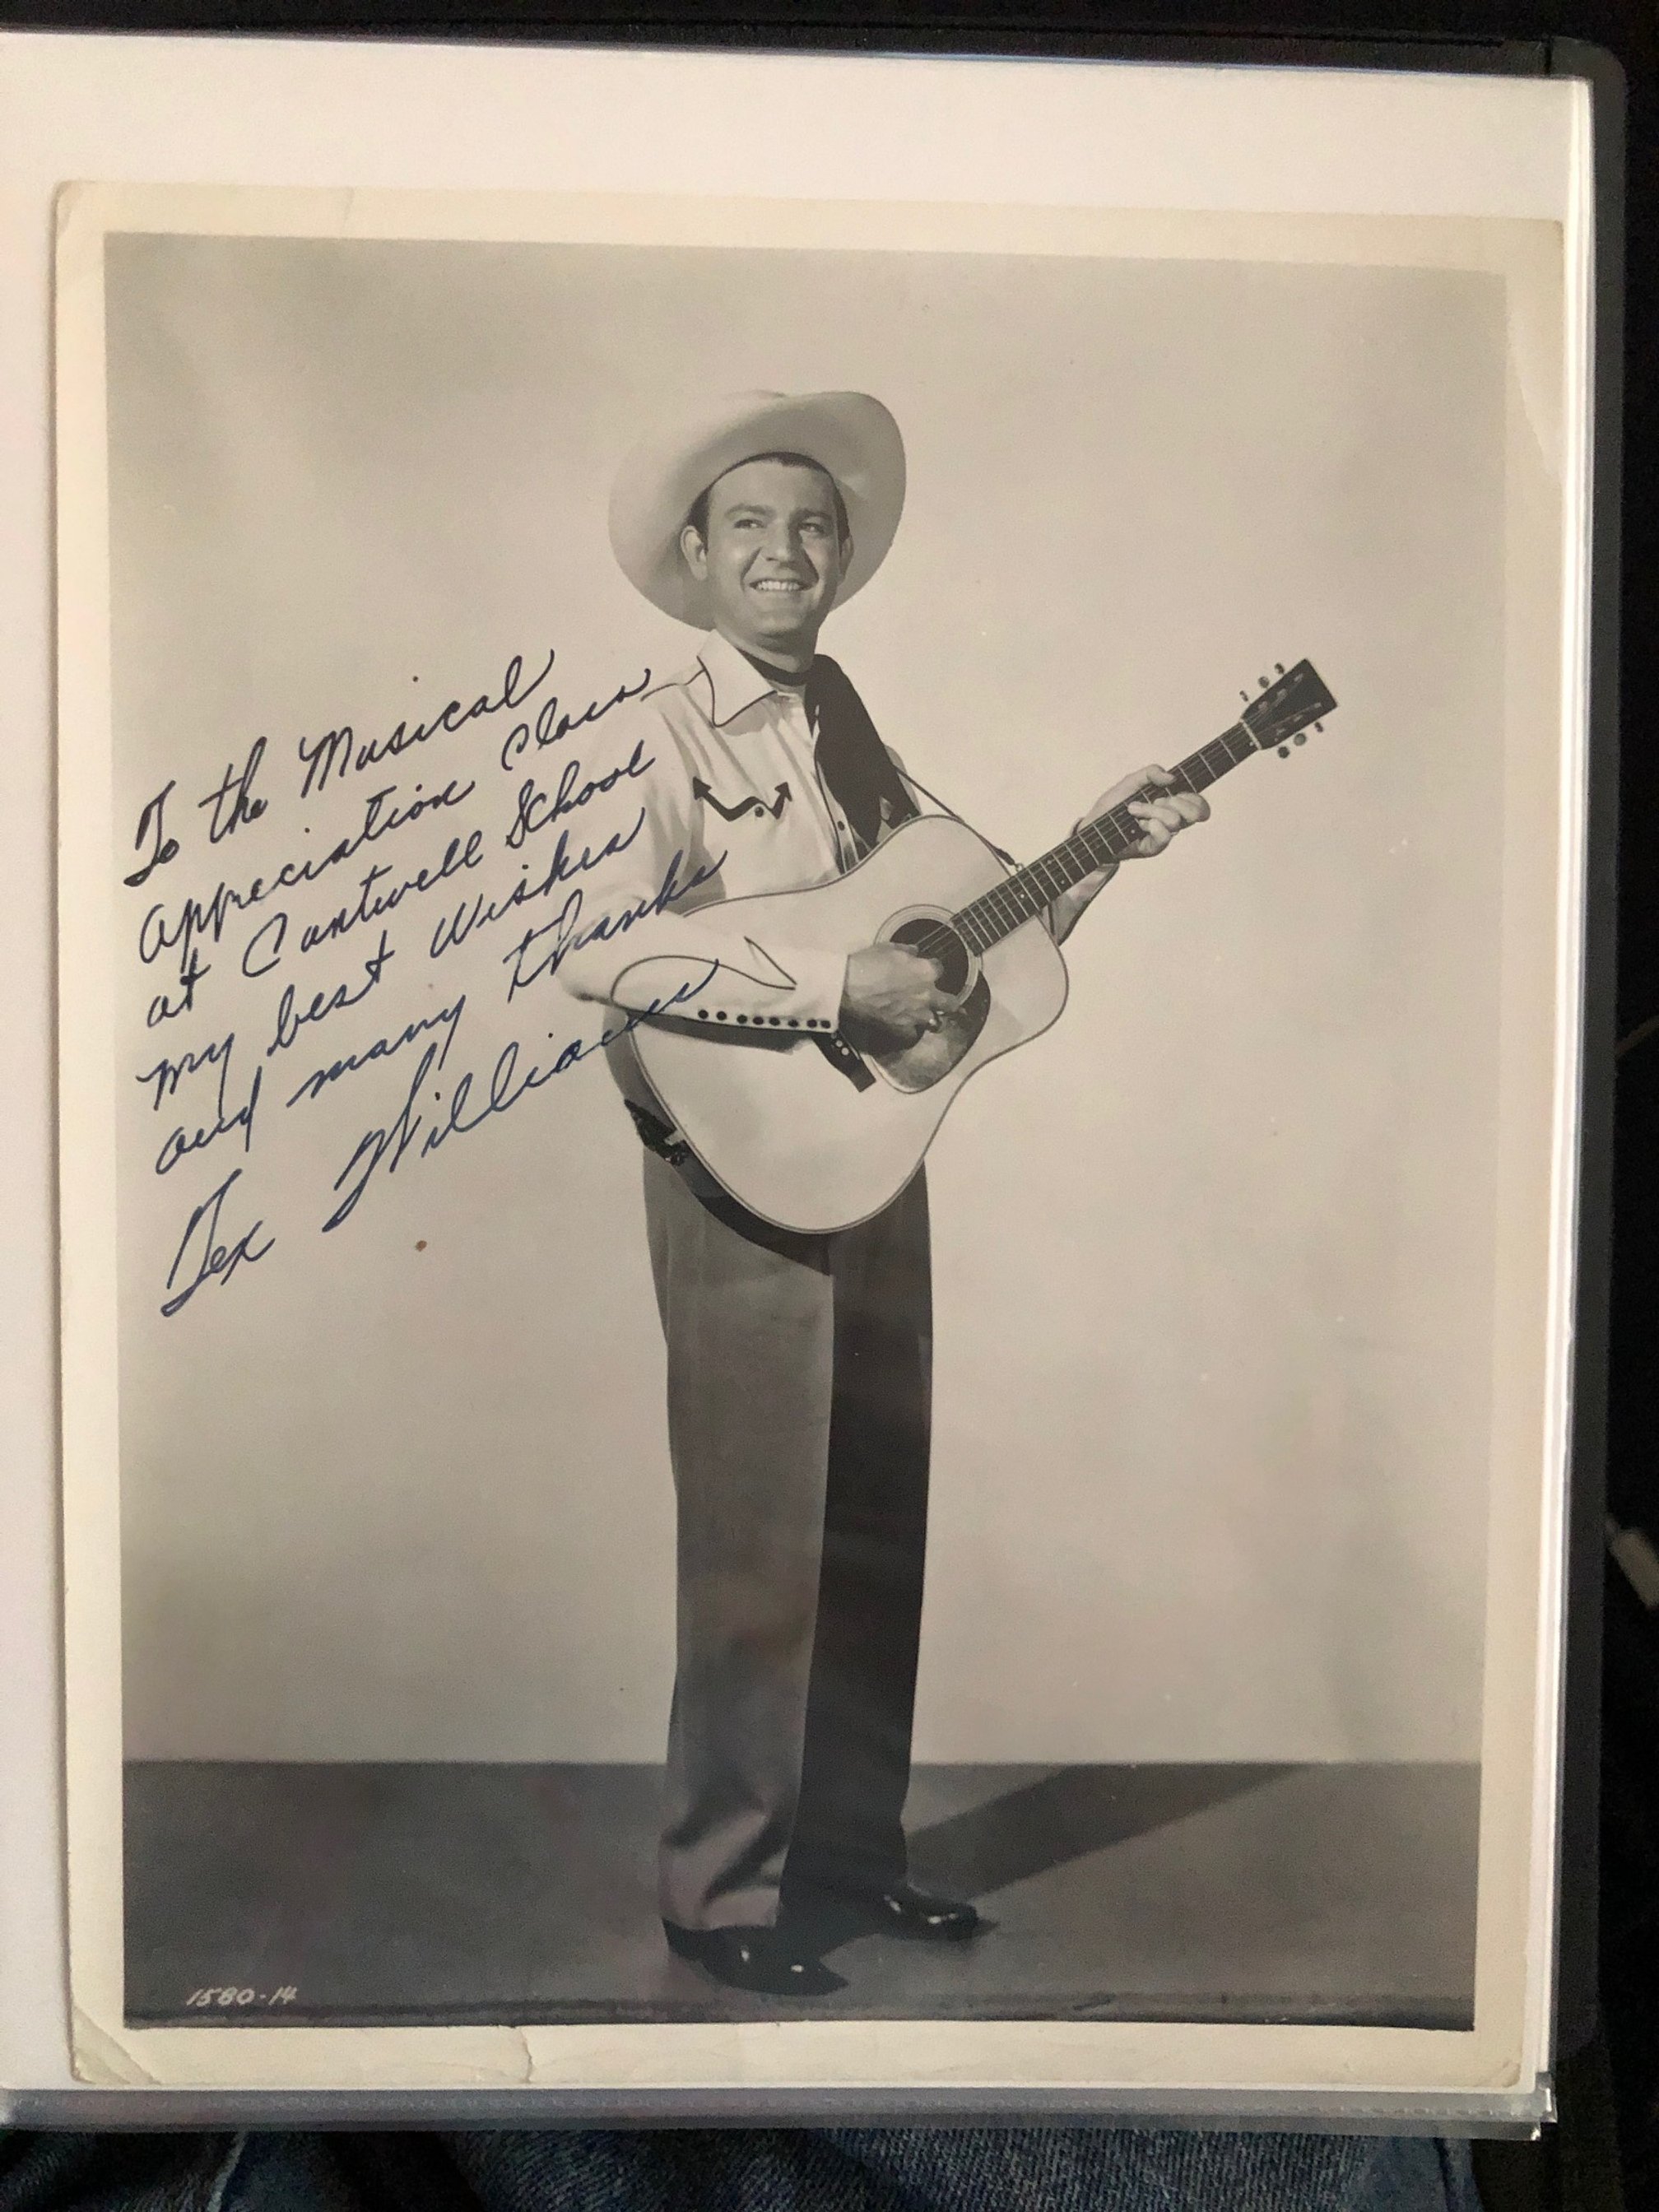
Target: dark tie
(854,766)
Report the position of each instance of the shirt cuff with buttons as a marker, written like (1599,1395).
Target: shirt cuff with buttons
(804,993)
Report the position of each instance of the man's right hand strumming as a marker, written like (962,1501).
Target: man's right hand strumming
(893,991)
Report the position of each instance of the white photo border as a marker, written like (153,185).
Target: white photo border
(1546,268)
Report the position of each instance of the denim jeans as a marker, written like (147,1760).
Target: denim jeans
(741,2170)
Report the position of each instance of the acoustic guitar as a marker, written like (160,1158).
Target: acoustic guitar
(815,1131)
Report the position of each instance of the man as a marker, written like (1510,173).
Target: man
(798,1366)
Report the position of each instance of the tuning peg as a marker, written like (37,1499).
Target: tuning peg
(1300,738)
(1245,696)
(1279,668)
(1262,681)
(1319,726)
(1284,752)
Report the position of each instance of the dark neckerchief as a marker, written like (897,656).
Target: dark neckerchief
(780,679)
(855,767)
(852,760)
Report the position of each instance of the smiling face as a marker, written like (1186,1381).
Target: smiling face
(771,549)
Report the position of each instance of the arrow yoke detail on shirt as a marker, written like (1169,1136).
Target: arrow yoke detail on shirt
(734,805)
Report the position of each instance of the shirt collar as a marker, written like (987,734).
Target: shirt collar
(733,679)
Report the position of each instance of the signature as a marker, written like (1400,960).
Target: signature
(508,1083)
(200,1248)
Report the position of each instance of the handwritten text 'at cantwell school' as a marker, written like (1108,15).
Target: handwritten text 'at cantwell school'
(210,1094)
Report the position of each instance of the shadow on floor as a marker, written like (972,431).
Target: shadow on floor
(489,1892)
(1067,1815)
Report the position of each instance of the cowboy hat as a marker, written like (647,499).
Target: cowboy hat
(852,437)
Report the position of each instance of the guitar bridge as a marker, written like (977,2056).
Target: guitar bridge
(843,1058)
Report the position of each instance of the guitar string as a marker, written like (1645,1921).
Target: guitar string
(996,913)
(1009,904)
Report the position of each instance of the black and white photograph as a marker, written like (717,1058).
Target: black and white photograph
(811,970)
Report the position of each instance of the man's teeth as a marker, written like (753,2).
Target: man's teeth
(776,584)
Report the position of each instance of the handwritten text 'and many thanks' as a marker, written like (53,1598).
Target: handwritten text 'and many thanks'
(315,969)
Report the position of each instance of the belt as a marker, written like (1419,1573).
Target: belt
(657,1136)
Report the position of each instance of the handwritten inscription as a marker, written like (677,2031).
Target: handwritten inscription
(342,752)
(232,800)
(204,1255)
(152,831)
(330,905)
(537,808)
(292,1018)
(508,1083)
(228,1118)
(196,918)
(382,1049)
(567,861)
(539,952)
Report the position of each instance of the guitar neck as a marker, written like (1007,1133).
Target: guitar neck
(1096,845)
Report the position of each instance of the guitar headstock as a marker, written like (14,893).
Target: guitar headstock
(1281,712)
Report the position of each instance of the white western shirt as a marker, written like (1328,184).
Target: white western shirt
(732,804)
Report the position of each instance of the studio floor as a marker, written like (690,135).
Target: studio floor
(403,1893)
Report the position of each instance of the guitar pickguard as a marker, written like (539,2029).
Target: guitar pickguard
(920,1066)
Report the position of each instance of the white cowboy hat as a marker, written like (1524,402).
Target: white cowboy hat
(852,437)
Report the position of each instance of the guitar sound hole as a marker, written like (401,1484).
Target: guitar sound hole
(941,943)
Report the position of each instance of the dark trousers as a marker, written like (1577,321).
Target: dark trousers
(799,1377)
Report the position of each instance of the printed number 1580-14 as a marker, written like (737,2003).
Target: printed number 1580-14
(225,1998)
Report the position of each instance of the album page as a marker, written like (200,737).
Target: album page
(818,996)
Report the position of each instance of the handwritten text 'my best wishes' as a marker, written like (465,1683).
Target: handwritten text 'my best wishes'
(201,950)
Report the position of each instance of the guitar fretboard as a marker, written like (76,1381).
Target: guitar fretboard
(1025,894)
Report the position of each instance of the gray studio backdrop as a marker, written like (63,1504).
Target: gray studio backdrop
(1214,1258)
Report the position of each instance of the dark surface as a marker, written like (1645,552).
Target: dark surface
(831,2169)
(1629,1893)
(506,1892)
